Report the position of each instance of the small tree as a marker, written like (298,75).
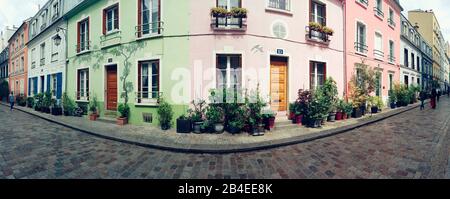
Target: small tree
(165,113)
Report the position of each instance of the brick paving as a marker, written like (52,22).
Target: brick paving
(414,144)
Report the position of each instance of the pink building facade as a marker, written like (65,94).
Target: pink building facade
(273,47)
(373,38)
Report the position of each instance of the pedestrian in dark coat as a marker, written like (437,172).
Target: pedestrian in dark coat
(422,97)
(11,100)
(433,98)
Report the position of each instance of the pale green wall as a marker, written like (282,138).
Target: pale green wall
(172,51)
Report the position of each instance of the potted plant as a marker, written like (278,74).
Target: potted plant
(328,30)
(124,111)
(379,103)
(392,99)
(330,93)
(255,105)
(235,126)
(318,109)
(68,105)
(239,12)
(219,12)
(47,102)
(184,124)
(56,108)
(269,119)
(372,104)
(93,108)
(292,108)
(315,26)
(302,105)
(215,118)
(30,102)
(340,110)
(348,109)
(197,114)
(21,101)
(165,114)
(38,102)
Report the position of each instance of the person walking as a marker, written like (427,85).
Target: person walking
(11,100)
(433,98)
(438,95)
(422,97)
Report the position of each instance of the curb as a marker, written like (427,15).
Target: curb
(212,149)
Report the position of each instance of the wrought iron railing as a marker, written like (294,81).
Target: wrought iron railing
(378,53)
(361,47)
(84,96)
(364,2)
(83,46)
(391,22)
(151,97)
(229,22)
(391,58)
(378,12)
(149,29)
(280,4)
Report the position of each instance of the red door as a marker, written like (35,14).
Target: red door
(111,88)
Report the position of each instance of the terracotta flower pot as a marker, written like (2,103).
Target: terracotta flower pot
(121,121)
(93,116)
(339,116)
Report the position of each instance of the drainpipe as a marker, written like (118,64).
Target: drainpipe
(345,47)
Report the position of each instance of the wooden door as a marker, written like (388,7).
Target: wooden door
(111,88)
(278,86)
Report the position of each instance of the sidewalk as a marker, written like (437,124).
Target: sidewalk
(152,137)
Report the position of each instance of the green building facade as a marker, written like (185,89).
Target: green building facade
(127,45)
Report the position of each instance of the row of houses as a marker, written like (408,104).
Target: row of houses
(179,50)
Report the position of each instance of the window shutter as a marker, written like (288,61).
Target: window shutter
(78,37)
(159,17)
(87,84)
(104,22)
(157,83)
(35,80)
(116,16)
(29,86)
(58,85)
(139,18)
(78,85)
(88,30)
(139,82)
(324,71)
(311,69)
(324,14)
(48,83)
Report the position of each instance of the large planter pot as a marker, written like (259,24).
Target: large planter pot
(121,121)
(234,130)
(219,127)
(363,110)
(269,123)
(93,116)
(45,110)
(356,113)
(66,113)
(398,104)
(36,108)
(184,126)
(315,123)
(57,111)
(165,127)
(331,117)
(197,127)
(339,116)
(374,109)
(291,116)
(299,119)
(393,105)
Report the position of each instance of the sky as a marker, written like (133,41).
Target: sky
(13,12)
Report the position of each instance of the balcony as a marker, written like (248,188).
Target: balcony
(42,63)
(391,59)
(149,29)
(378,12)
(83,47)
(378,54)
(361,48)
(150,98)
(229,23)
(364,3)
(82,96)
(43,26)
(391,22)
(317,36)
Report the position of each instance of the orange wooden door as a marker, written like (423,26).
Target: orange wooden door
(111,88)
(278,86)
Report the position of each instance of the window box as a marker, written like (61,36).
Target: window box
(317,36)
(229,23)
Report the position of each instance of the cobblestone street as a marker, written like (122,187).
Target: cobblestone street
(414,144)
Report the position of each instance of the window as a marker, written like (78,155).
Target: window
(317,74)
(55,10)
(379,9)
(280,4)
(378,51)
(391,18)
(391,81)
(391,51)
(22,40)
(22,64)
(418,63)
(406,80)
(83,36)
(53,85)
(413,61)
(378,84)
(363,2)
(406,59)
(318,13)
(279,30)
(54,51)
(149,17)
(148,81)
(360,45)
(42,54)
(229,71)
(83,85)
(33,58)
(21,88)
(111,19)
(412,80)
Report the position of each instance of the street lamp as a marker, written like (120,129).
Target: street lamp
(58,38)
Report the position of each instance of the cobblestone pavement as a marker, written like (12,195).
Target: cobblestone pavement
(414,144)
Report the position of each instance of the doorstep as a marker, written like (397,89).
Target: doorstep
(152,137)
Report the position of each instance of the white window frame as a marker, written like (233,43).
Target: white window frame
(228,70)
(316,74)
(288,4)
(357,38)
(149,99)
(150,23)
(112,20)
(84,46)
(83,78)
(378,44)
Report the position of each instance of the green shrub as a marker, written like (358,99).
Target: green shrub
(165,113)
(124,110)
(93,105)
(68,104)
(30,101)
(47,100)
(4,88)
